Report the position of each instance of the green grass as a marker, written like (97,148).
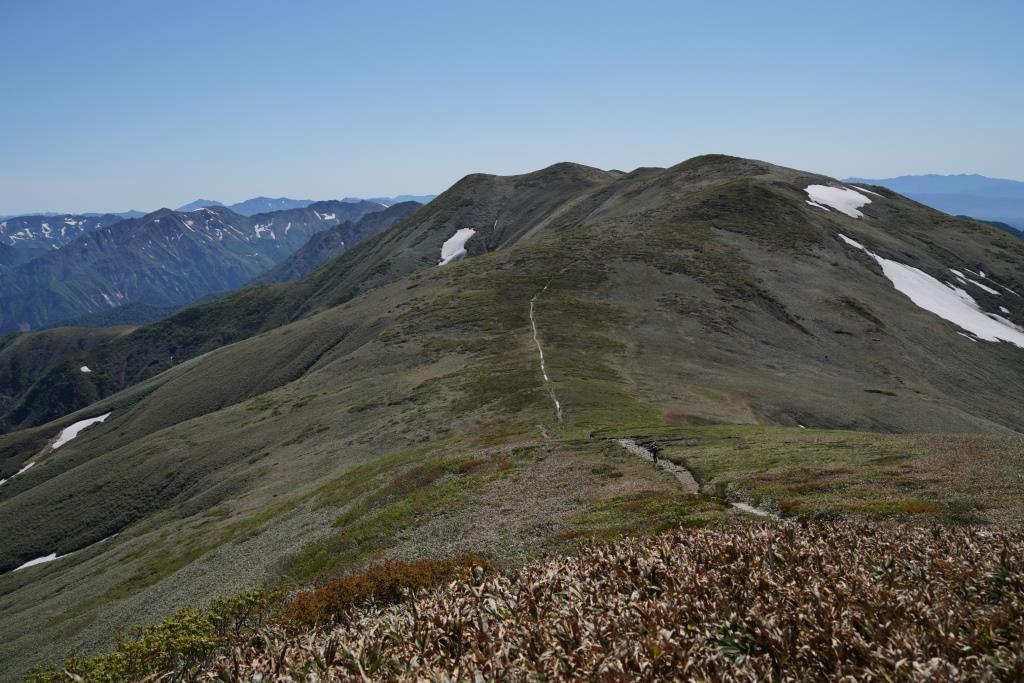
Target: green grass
(809,473)
(385,497)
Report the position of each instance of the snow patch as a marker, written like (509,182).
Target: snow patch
(982,286)
(54,556)
(944,300)
(864,189)
(852,242)
(842,199)
(454,248)
(825,208)
(1005,310)
(968,280)
(39,560)
(68,433)
(4,481)
(85,369)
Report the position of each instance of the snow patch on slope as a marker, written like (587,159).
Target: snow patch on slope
(54,556)
(944,300)
(75,429)
(864,189)
(842,199)
(22,470)
(39,560)
(454,248)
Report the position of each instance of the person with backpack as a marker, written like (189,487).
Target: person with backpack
(653,448)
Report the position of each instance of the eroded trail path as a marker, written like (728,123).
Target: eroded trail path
(686,479)
(540,352)
(689,484)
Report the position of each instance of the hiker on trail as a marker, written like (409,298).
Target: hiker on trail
(653,448)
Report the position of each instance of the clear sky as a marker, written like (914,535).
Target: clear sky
(118,105)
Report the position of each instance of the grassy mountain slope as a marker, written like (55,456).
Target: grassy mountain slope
(400,411)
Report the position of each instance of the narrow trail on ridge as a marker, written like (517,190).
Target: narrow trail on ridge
(540,352)
(686,479)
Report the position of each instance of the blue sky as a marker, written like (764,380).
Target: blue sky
(117,105)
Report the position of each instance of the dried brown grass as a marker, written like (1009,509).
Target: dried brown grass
(813,602)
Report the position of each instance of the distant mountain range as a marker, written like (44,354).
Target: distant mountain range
(326,245)
(251,207)
(164,259)
(256,205)
(87,214)
(51,228)
(397,199)
(988,199)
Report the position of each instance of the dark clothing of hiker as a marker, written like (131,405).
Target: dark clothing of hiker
(653,448)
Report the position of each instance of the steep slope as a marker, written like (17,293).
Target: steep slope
(51,363)
(388,406)
(328,244)
(163,259)
(51,231)
(12,257)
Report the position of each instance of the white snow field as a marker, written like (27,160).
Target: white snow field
(74,430)
(944,300)
(85,368)
(842,199)
(454,248)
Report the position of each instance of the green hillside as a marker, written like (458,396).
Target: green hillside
(385,407)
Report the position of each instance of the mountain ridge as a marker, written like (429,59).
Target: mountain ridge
(385,406)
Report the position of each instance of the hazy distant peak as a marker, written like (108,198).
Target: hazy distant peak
(199,204)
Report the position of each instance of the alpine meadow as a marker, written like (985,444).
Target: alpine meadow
(712,419)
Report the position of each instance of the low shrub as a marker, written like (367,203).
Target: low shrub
(189,641)
(382,583)
(185,643)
